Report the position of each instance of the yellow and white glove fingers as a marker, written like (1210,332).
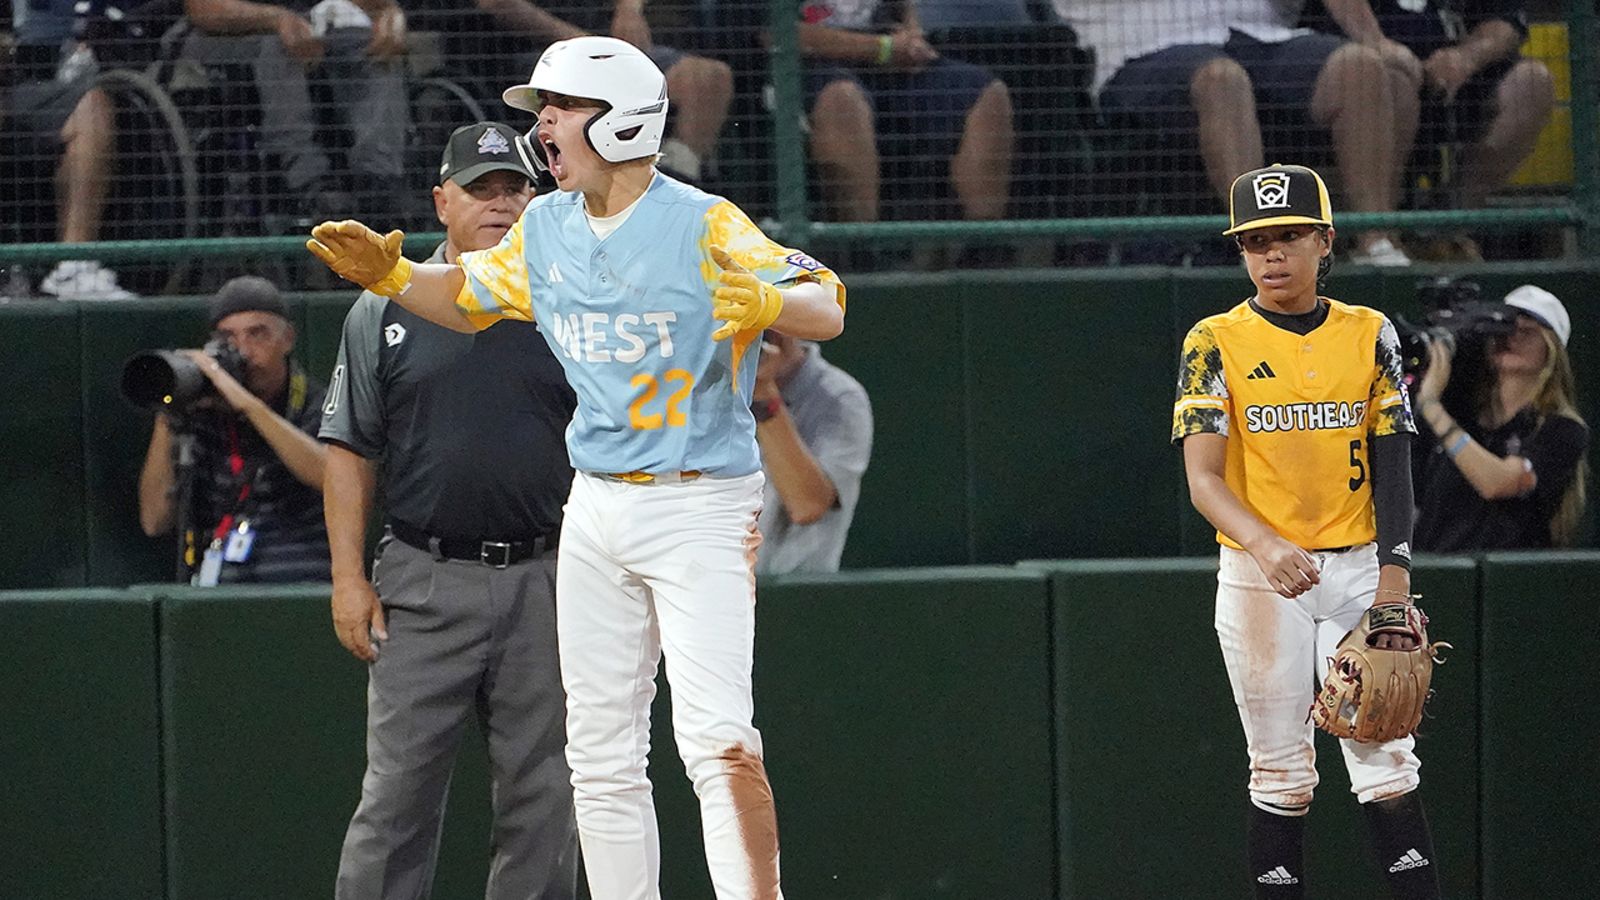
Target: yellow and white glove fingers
(357,253)
(741,301)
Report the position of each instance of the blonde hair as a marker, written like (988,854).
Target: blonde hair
(1557,396)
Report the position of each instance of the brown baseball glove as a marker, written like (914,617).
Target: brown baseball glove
(1372,694)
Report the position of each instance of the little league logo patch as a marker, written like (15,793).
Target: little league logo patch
(493,143)
(802,261)
(1272,190)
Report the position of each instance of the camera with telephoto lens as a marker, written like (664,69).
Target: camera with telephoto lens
(1455,313)
(169,381)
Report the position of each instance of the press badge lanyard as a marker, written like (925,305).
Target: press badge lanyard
(229,544)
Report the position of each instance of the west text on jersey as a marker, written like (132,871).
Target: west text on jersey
(588,337)
(1329,415)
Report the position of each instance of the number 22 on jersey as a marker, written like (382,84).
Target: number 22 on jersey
(640,412)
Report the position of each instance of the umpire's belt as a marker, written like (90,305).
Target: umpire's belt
(494,554)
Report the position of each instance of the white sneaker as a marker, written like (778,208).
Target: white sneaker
(83,279)
(1381,252)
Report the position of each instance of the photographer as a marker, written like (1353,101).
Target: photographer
(257,508)
(1502,456)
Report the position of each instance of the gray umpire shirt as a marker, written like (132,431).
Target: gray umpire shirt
(471,427)
(831,411)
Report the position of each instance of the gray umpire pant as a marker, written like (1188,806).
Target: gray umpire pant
(369,98)
(464,639)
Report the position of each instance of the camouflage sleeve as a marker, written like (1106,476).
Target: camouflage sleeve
(1202,403)
(1389,402)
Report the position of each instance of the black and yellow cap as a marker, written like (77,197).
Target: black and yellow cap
(1278,195)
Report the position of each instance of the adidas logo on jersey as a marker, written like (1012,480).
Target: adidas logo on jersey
(1411,860)
(1280,875)
(555,274)
(1403,550)
(1262,370)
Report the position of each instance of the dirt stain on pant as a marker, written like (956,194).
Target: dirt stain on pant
(753,809)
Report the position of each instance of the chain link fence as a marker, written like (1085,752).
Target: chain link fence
(851,122)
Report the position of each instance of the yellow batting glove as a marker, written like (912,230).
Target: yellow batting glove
(357,253)
(742,301)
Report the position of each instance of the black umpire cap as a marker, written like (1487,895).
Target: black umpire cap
(474,150)
(1278,195)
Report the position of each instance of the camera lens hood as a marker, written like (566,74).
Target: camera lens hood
(162,379)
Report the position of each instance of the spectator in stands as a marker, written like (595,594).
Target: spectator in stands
(1479,91)
(814,425)
(875,88)
(1502,463)
(699,90)
(59,123)
(257,513)
(1223,71)
(356,49)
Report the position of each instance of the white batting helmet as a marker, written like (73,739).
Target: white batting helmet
(617,74)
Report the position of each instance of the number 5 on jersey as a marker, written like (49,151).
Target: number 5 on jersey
(650,387)
(1360,478)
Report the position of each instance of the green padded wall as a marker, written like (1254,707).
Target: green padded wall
(264,727)
(905,718)
(42,447)
(985,389)
(80,803)
(850,744)
(1541,636)
(1061,729)
(1069,397)
(1151,765)
(903,341)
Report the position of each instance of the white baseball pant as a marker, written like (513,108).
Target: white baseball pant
(647,568)
(1276,650)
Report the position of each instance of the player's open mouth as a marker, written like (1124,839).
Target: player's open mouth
(552,156)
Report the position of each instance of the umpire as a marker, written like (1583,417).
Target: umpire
(459,619)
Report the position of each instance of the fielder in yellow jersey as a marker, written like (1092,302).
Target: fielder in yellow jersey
(1295,429)
(1297,409)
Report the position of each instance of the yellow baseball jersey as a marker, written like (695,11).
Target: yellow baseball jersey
(1296,410)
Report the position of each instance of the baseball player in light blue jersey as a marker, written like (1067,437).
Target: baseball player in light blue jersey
(653,295)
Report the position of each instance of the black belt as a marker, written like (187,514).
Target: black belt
(494,554)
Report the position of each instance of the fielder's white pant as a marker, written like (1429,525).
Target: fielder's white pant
(645,568)
(1277,651)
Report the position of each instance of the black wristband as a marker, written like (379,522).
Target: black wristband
(765,409)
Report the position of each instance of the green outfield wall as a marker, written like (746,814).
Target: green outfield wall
(1049,730)
(1019,414)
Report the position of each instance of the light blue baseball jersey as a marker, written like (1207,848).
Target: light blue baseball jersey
(629,317)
